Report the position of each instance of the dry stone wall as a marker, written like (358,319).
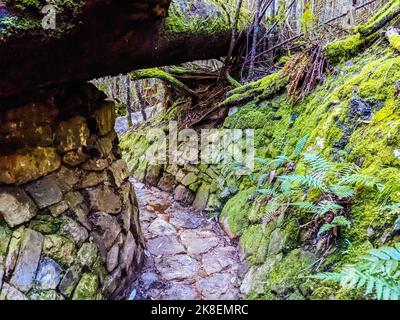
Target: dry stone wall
(69,225)
(202,186)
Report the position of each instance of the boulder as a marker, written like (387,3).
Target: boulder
(28,259)
(16,207)
(45,192)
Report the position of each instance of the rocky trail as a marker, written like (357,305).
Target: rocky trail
(188,256)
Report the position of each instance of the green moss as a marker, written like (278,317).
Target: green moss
(260,90)
(343,49)
(26,16)
(45,224)
(87,287)
(5,237)
(251,240)
(340,50)
(236,210)
(394,41)
(182,21)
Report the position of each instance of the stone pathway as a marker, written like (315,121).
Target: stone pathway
(188,256)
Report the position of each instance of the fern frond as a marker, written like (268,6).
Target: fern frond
(317,163)
(363,180)
(341,221)
(378,272)
(307,206)
(268,191)
(300,145)
(308,181)
(326,227)
(278,162)
(341,191)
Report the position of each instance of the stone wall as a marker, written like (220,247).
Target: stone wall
(69,224)
(199,185)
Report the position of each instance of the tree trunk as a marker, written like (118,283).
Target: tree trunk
(128,99)
(255,39)
(142,103)
(227,66)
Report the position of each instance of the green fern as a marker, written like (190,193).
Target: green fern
(341,191)
(300,145)
(359,179)
(319,209)
(378,272)
(308,181)
(268,191)
(318,163)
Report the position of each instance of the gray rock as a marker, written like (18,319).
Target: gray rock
(153,174)
(215,286)
(160,227)
(107,229)
(112,258)
(166,245)
(178,267)
(15,206)
(13,251)
(256,279)
(119,171)
(73,230)
(186,220)
(70,280)
(105,200)
(45,191)
(178,291)
(200,201)
(167,183)
(128,252)
(28,259)
(149,280)
(10,293)
(198,241)
(183,195)
(219,259)
(87,254)
(276,242)
(49,274)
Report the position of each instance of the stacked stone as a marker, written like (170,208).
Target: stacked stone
(196,185)
(69,225)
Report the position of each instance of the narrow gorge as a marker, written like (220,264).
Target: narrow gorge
(283,180)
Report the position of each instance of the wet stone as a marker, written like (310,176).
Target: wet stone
(45,192)
(167,245)
(178,267)
(49,274)
(105,200)
(70,280)
(178,291)
(198,242)
(215,286)
(15,206)
(159,227)
(183,195)
(219,259)
(186,220)
(87,254)
(73,230)
(107,229)
(28,259)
